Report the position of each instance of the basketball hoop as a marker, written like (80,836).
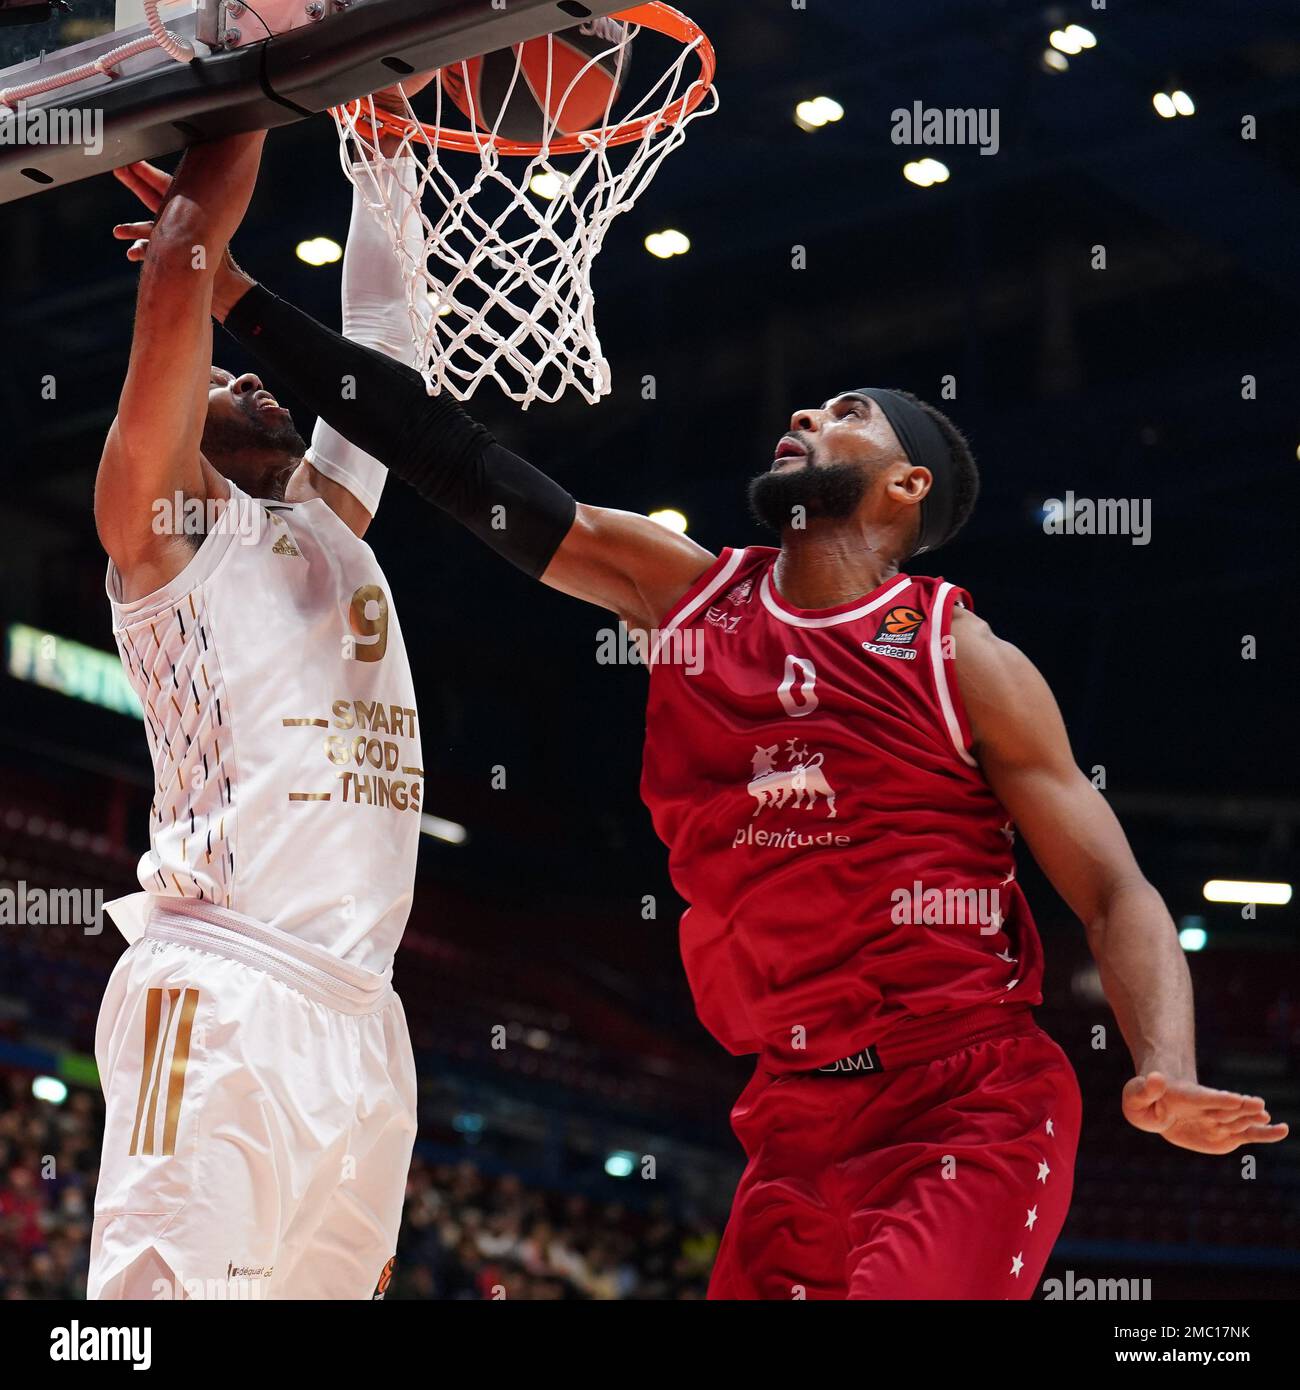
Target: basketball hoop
(501,289)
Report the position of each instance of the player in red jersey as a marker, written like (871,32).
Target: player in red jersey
(836,754)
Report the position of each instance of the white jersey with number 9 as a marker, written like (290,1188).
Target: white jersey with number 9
(280,714)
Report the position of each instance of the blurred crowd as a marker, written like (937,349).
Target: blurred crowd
(465,1235)
(468,1236)
(49,1156)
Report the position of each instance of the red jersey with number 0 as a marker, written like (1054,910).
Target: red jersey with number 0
(847,866)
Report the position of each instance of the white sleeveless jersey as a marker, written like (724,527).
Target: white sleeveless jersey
(280,714)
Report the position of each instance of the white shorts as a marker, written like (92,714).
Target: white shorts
(260,1100)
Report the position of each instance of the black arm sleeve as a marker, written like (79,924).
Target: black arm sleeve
(428,441)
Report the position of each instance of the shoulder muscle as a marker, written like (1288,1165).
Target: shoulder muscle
(1013,714)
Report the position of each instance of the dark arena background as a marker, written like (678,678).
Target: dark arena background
(1106,304)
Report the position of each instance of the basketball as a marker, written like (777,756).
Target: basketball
(567,82)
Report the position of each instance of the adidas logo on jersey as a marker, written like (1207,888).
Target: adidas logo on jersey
(285,546)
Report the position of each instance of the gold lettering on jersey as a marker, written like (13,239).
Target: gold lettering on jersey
(368,759)
(374,715)
(370,789)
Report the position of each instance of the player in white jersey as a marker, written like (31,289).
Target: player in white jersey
(257,1070)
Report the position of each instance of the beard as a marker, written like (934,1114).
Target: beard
(832,492)
(257,454)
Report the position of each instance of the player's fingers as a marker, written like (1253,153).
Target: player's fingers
(155,183)
(1213,1107)
(146,182)
(1216,1112)
(1230,1132)
(138,250)
(1242,1126)
(129,231)
(1228,1116)
(1264,1134)
(158,179)
(129,176)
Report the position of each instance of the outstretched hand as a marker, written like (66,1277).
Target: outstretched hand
(1198,1117)
(150,185)
(148,182)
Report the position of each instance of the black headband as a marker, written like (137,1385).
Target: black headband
(925,446)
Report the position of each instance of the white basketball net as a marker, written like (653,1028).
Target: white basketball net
(502,289)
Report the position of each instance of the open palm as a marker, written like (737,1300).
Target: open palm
(1197,1117)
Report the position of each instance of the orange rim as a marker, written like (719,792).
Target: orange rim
(664,19)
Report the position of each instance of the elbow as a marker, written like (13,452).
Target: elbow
(1125,887)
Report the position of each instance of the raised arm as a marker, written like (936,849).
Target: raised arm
(347,478)
(349,481)
(374,309)
(1022,746)
(152,450)
(618,560)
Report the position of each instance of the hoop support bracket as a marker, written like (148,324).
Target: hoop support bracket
(162,109)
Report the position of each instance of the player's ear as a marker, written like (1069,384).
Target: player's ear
(910,483)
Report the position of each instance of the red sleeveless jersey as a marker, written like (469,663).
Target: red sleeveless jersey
(848,868)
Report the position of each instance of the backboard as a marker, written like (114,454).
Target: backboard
(320,53)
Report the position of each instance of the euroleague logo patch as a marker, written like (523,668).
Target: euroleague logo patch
(898,631)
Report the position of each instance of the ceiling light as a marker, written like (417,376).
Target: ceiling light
(671,518)
(319,250)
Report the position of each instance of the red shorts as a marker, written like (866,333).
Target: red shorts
(948,1178)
